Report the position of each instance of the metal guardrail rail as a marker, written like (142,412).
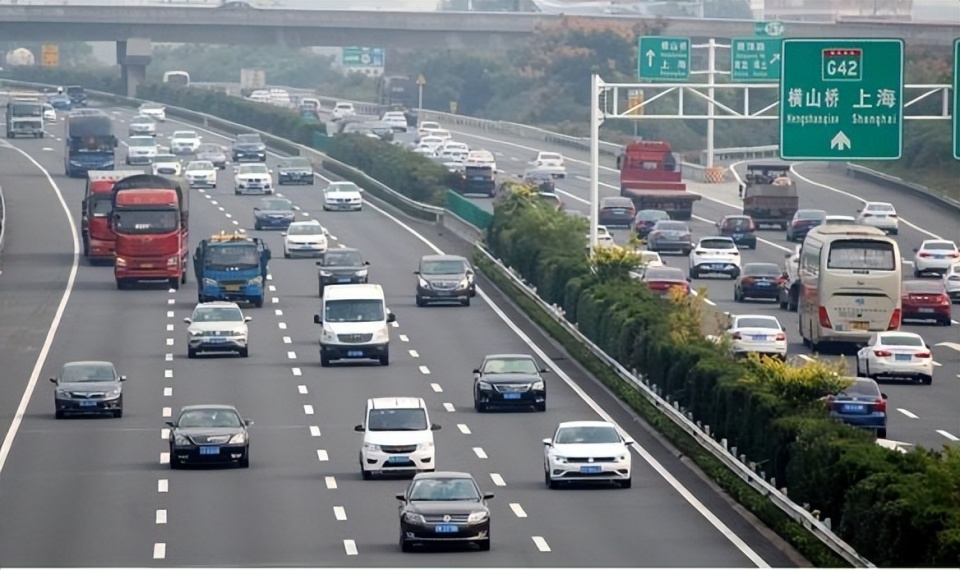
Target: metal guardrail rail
(700,434)
(897,183)
(3,226)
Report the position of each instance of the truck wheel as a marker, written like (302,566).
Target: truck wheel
(183,276)
(122,284)
(86,246)
(174,283)
(258,302)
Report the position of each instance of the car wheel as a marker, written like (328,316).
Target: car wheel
(551,484)
(59,414)
(385,359)
(882,433)
(484,545)
(118,413)
(927,380)
(244,462)
(626,484)
(736,296)
(478,406)
(735,274)
(694,274)
(256,226)
(324,360)
(245,352)
(174,283)
(946,322)
(465,302)
(858,368)
(916,273)
(420,302)
(191,353)
(286,254)
(541,407)
(405,545)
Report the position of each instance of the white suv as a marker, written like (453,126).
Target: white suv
(397,437)
(715,255)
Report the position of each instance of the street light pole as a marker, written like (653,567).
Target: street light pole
(595,120)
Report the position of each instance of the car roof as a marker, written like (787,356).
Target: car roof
(443,475)
(586,423)
(926,241)
(442,257)
(868,204)
(344,250)
(88,363)
(717,238)
(885,334)
(364,291)
(509,356)
(765,317)
(209,407)
(394,403)
(306,223)
(229,304)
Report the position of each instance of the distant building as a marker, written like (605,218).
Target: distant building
(833,10)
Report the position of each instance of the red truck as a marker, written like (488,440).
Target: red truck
(98,238)
(150,219)
(650,176)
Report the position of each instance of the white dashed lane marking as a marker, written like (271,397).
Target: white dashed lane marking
(287,340)
(436,387)
(164,457)
(168,373)
(424,370)
(498,480)
(518,510)
(302,389)
(292,355)
(171,301)
(274,300)
(161,516)
(278,312)
(169,327)
(340,513)
(463,429)
(165,434)
(395,324)
(282,326)
(168,391)
(168,357)
(449,407)
(308,409)
(322,455)
(272,288)
(296,371)
(350,547)
(169,342)
(542,545)
(404,338)
(167,412)
(948,435)
(907,413)
(414,354)
(480,452)
(163,486)
(169,314)
(159,551)
(314,431)
(228,215)
(331,482)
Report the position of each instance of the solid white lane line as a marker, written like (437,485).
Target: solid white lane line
(948,435)
(159,551)
(302,389)
(163,486)
(161,516)
(404,338)
(463,429)
(164,457)
(953,345)
(168,391)
(542,545)
(806,357)
(424,370)
(322,455)
(907,413)
(436,387)
(414,354)
(271,288)
(449,407)
(292,355)
(480,452)
(296,371)
(283,326)
(167,412)
(274,300)
(278,312)
(340,513)
(498,480)
(171,301)
(169,342)
(308,409)
(518,510)
(314,431)
(350,547)
(168,373)
(287,340)
(331,482)
(236,223)
(168,357)
(169,314)
(165,434)
(169,327)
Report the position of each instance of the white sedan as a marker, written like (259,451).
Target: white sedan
(586,451)
(951,281)
(184,142)
(342,196)
(427,128)
(881,215)
(759,334)
(155,112)
(396,119)
(715,255)
(896,355)
(49,113)
(343,109)
(201,174)
(307,239)
(252,179)
(167,164)
(431,142)
(934,256)
(551,162)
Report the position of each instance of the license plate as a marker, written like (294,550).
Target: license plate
(860,325)
(354,353)
(232,288)
(343,280)
(511,396)
(209,450)
(939,256)
(759,337)
(764,283)
(905,357)
(737,236)
(590,469)
(619,211)
(717,266)
(396,459)
(146,265)
(926,310)
(217,340)
(447,528)
(88,404)
(853,408)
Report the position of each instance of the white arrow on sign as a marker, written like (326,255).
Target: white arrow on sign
(650,56)
(775,58)
(840,141)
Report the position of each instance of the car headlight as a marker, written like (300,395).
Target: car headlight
(258,280)
(207,282)
(238,438)
(120,262)
(477,516)
(371,447)
(194,332)
(173,262)
(426,446)
(328,336)
(361,273)
(181,440)
(558,459)
(238,332)
(114,393)
(463,283)
(483,385)
(424,284)
(326,274)
(538,385)
(413,518)
(62,393)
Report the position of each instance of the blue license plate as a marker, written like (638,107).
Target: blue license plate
(88,403)
(354,353)
(758,337)
(718,266)
(939,256)
(396,459)
(209,450)
(737,236)
(905,357)
(764,283)
(590,469)
(217,340)
(926,310)
(854,408)
(511,396)
(447,528)
(343,280)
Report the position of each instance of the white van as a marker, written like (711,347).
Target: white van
(397,437)
(355,321)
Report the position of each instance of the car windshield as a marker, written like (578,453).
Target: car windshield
(736,223)
(444,267)
(940,245)
(717,244)
(134,141)
(142,121)
(552,156)
(209,149)
(672,226)
(510,366)
(663,274)
(165,158)
(342,259)
(88,373)
(810,215)
(652,215)
(200,165)
(295,163)
(354,311)
(444,490)
(248,139)
(253,169)
(305,230)
(397,419)
(209,419)
(244,256)
(281,204)
(901,340)
(217,315)
(587,434)
(757,323)
(861,388)
(184,135)
(348,187)
(624,203)
(762,270)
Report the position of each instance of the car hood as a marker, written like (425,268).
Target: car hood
(224,326)
(252,175)
(441,278)
(590,449)
(249,146)
(398,437)
(93,387)
(209,435)
(185,141)
(342,194)
(212,156)
(287,213)
(304,169)
(342,268)
(142,150)
(306,239)
(167,164)
(201,173)
(510,378)
(447,507)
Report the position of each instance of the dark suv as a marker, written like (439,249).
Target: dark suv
(740,229)
(445,279)
(249,148)
(342,266)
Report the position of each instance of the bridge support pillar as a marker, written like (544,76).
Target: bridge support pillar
(134,55)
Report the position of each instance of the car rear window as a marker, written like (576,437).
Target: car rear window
(901,340)
(811,214)
(758,323)
(940,245)
(762,269)
(672,226)
(652,215)
(717,244)
(928,287)
(663,274)
(616,203)
(861,388)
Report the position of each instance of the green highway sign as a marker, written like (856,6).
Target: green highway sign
(664,59)
(755,59)
(768,29)
(362,57)
(841,99)
(956,99)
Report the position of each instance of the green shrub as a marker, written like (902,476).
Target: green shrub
(97,79)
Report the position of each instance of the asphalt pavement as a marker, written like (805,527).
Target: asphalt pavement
(100,492)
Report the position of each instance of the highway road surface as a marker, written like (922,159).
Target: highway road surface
(100,492)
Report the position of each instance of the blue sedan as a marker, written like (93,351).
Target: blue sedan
(861,405)
(273,213)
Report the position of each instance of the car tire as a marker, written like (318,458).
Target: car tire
(858,369)
(484,545)
(175,462)
(478,406)
(385,359)
(256,226)
(626,484)
(916,273)
(735,274)
(542,407)
(191,353)
(118,413)
(245,352)
(882,433)
(244,462)
(926,380)
(946,322)
(183,276)
(59,414)
(286,255)
(420,301)
(405,545)
(737,296)
(174,283)
(324,361)
(465,302)
(694,274)
(551,484)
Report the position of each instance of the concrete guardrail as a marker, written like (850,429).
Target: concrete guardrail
(896,183)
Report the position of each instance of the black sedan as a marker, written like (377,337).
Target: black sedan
(249,148)
(444,507)
(758,281)
(273,213)
(209,435)
(342,266)
(804,221)
(88,387)
(294,170)
(644,221)
(509,380)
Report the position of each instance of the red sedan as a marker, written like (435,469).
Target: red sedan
(662,279)
(926,300)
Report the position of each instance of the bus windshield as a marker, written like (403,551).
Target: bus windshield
(92,144)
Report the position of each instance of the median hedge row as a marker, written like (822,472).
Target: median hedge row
(895,509)
(95,79)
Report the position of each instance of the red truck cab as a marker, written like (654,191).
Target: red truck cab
(650,175)
(150,220)
(98,238)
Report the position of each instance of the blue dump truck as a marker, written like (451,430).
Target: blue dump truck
(231,267)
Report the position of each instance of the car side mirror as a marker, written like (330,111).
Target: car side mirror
(544,371)
(882,395)
(283,234)
(317,320)
(171,424)
(434,427)
(391,318)
(123,378)
(547,442)
(256,208)
(187,320)
(928,347)
(689,280)
(628,442)
(366,263)
(248,423)
(358,428)
(318,263)
(858,211)
(401,497)
(247,319)
(787,255)
(54,380)
(915,250)
(416,273)
(487,496)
